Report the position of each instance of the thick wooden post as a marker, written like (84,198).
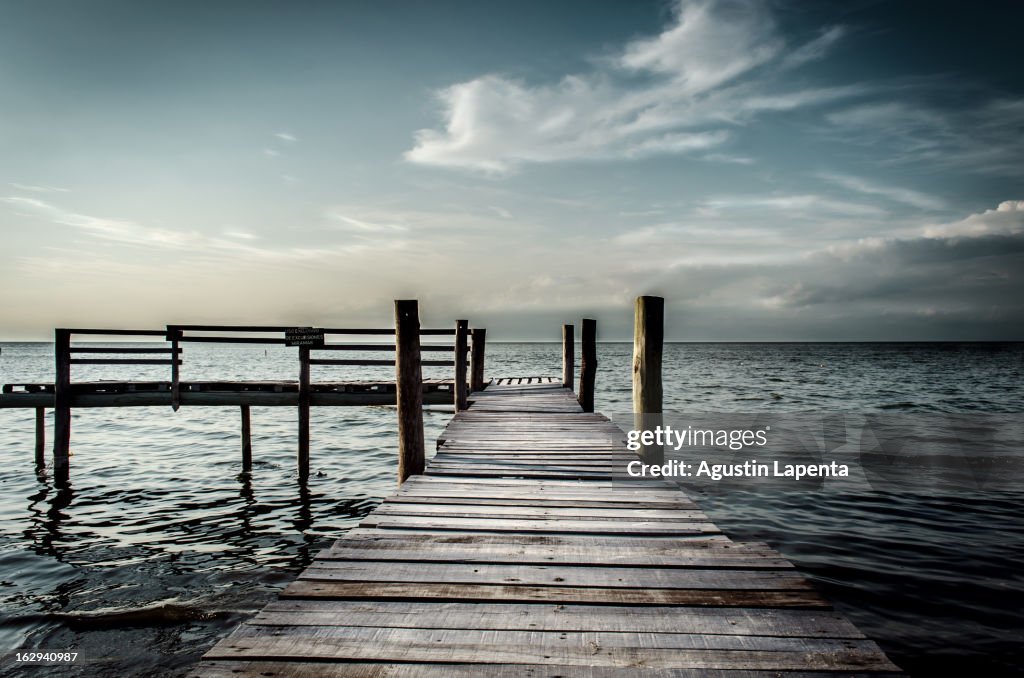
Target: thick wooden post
(409,389)
(62,406)
(588,364)
(40,437)
(648,340)
(568,355)
(461,354)
(173,335)
(476,381)
(246,440)
(303,413)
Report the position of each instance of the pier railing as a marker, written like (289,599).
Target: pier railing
(318,348)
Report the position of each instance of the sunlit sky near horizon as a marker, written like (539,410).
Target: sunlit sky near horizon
(776,170)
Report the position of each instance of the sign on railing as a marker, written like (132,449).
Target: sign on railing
(304,336)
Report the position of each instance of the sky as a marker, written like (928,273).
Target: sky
(776,170)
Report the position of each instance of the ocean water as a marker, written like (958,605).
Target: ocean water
(160,546)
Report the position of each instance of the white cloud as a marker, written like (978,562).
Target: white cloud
(112,229)
(729,159)
(1006,219)
(815,49)
(709,45)
(364,225)
(195,243)
(677,92)
(789,101)
(804,205)
(270,153)
(902,195)
(285,136)
(983,137)
(500,211)
(38,189)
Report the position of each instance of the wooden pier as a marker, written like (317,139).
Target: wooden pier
(519,549)
(519,553)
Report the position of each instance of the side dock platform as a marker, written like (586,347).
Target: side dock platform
(516,554)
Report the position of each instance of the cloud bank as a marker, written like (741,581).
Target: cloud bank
(681,91)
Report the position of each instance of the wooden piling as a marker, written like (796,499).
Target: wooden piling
(461,355)
(568,355)
(40,437)
(476,371)
(62,406)
(588,364)
(409,389)
(648,340)
(174,335)
(303,413)
(246,439)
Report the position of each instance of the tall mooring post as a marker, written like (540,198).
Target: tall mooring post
(409,389)
(40,438)
(62,406)
(568,355)
(648,342)
(476,359)
(588,364)
(174,336)
(247,439)
(304,393)
(461,356)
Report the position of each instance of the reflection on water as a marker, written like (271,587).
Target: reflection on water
(160,546)
(145,578)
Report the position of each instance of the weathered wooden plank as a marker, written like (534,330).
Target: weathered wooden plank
(553,575)
(657,650)
(540,617)
(465,511)
(300,669)
(539,502)
(554,540)
(508,525)
(303,588)
(506,492)
(627,555)
(623,492)
(473,534)
(542,641)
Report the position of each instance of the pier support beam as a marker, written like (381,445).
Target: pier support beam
(40,438)
(476,371)
(461,354)
(568,355)
(303,413)
(648,341)
(62,407)
(409,389)
(588,364)
(246,439)
(174,336)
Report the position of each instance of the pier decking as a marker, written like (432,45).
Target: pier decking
(515,554)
